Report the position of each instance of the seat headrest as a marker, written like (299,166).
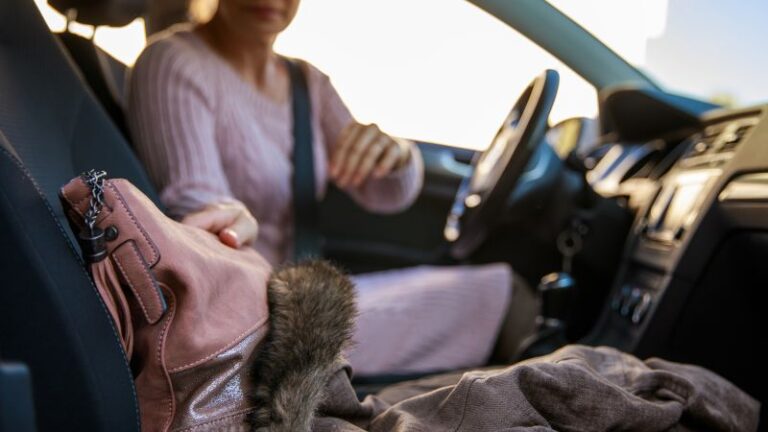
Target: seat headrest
(115,13)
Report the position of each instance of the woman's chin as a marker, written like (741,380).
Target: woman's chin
(265,28)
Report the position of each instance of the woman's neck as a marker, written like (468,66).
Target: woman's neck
(251,56)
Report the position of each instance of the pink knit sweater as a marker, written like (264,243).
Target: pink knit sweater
(207,136)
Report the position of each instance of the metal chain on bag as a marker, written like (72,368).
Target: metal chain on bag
(95,181)
(91,237)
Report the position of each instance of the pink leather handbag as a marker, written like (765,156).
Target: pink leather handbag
(194,315)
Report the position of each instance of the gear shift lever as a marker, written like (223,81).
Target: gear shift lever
(556,291)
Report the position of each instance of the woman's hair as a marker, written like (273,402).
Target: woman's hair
(201,11)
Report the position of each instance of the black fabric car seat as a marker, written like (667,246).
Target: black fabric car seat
(51,318)
(104,74)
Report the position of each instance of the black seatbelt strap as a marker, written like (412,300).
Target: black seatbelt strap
(305,208)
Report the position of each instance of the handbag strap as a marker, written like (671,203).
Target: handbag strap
(307,240)
(91,237)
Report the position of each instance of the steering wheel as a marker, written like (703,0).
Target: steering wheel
(496,171)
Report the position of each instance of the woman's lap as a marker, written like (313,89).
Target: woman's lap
(426,318)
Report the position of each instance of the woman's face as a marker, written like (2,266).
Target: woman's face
(257,17)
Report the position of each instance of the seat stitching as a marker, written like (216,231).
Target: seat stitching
(79,259)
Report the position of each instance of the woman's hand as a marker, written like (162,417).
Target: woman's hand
(365,151)
(231,221)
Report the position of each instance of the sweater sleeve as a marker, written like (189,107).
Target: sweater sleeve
(172,122)
(390,194)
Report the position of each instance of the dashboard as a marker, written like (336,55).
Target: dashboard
(673,213)
(692,281)
(684,191)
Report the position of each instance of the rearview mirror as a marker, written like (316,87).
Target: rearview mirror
(577,134)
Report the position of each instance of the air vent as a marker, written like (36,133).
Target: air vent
(732,136)
(716,143)
(702,144)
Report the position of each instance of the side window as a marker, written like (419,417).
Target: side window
(442,71)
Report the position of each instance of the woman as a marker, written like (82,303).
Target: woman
(209,110)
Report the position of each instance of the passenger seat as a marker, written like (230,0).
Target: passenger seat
(51,316)
(104,74)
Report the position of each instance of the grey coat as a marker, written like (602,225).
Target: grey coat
(306,385)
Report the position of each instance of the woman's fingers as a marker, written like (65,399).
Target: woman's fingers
(347,139)
(379,147)
(232,222)
(355,152)
(403,149)
(243,231)
(388,162)
(213,218)
(364,151)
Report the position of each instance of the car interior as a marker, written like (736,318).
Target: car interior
(650,236)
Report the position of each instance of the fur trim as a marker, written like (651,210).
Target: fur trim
(312,310)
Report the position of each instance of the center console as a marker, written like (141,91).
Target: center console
(672,239)
(691,284)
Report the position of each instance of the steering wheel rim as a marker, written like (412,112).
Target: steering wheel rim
(496,171)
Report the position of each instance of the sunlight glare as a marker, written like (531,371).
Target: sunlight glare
(434,70)
(123,43)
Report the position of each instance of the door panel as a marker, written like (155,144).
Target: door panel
(364,241)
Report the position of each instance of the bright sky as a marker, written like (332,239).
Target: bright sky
(710,49)
(445,71)
(714,49)
(449,76)
(624,25)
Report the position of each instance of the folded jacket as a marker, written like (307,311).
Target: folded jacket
(576,388)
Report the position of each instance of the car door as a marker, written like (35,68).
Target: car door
(364,241)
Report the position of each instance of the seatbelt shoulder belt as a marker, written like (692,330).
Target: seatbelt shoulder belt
(307,240)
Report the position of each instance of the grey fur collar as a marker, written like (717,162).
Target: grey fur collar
(312,310)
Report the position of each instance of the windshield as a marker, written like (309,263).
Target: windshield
(708,49)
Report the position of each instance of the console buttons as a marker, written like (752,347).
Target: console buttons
(642,308)
(620,298)
(631,302)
